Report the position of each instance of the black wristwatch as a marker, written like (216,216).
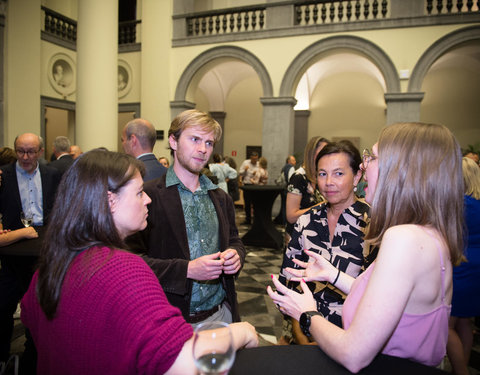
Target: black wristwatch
(306,320)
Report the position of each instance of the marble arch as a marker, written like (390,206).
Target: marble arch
(221,52)
(436,50)
(366,48)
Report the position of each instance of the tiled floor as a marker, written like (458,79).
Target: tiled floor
(254,303)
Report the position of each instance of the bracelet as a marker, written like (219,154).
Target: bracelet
(336,278)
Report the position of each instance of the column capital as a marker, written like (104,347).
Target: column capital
(404,97)
(280,100)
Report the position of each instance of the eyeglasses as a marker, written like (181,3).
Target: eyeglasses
(367,157)
(30,153)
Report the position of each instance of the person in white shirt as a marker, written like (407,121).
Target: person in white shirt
(248,170)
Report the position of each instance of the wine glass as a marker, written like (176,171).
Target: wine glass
(26,219)
(213,350)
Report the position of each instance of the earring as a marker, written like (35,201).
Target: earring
(355,189)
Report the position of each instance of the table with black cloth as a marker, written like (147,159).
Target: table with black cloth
(25,247)
(263,232)
(310,359)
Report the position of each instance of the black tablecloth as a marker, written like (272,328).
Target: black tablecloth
(263,232)
(26,247)
(309,359)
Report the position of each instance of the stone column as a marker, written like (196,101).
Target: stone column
(277,134)
(97,75)
(220,117)
(300,139)
(403,107)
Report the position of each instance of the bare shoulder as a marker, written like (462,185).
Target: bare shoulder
(406,243)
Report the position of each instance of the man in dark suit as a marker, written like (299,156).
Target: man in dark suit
(30,187)
(191,241)
(61,150)
(138,138)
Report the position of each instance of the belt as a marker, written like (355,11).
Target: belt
(202,315)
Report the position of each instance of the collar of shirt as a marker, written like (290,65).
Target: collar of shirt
(205,183)
(146,153)
(25,173)
(62,155)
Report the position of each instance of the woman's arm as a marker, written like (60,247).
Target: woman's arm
(9,237)
(386,297)
(293,210)
(244,335)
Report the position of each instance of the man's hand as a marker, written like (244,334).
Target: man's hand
(232,261)
(207,267)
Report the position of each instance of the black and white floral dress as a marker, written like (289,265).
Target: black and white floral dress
(345,252)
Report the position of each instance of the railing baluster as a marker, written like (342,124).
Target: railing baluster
(384,8)
(366,9)
(439,6)
(232,22)
(254,20)
(315,13)
(307,14)
(239,22)
(298,15)
(357,9)
(340,11)
(459,5)
(224,23)
(375,8)
(210,25)
(246,20)
(349,10)
(262,18)
(324,12)
(332,11)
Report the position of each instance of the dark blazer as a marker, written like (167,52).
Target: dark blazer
(153,168)
(10,202)
(164,242)
(62,164)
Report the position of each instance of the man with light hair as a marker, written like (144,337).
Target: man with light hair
(138,139)
(61,150)
(191,241)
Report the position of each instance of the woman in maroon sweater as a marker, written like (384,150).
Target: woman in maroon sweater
(93,308)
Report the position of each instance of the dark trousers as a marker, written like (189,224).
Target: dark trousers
(15,276)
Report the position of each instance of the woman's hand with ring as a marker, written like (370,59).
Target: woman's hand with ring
(289,301)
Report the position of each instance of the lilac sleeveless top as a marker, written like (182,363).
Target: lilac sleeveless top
(421,338)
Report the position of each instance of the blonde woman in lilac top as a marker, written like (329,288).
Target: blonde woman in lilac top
(400,305)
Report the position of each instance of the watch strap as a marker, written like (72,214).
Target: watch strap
(306,321)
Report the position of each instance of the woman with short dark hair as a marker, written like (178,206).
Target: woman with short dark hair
(333,229)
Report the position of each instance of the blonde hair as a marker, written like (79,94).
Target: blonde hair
(419,182)
(471,177)
(194,118)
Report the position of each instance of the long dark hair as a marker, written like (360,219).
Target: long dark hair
(81,218)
